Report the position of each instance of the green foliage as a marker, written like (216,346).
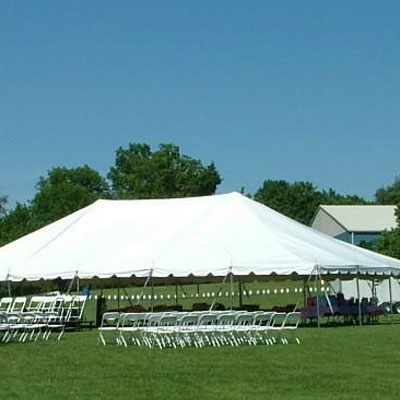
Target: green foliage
(65,190)
(390,194)
(299,200)
(16,223)
(295,200)
(369,245)
(389,242)
(141,173)
(3,203)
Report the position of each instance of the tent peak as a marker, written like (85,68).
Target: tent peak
(169,199)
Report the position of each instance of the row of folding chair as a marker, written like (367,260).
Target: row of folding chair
(70,308)
(199,329)
(23,326)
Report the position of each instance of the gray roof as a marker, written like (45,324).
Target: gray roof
(363,218)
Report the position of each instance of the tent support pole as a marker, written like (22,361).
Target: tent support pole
(218,292)
(152,294)
(391,299)
(9,287)
(231,287)
(358,297)
(304,293)
(118,295)
(240,294)
(70,285)
(176,294)
(317,287)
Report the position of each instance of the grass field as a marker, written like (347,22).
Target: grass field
(330,363)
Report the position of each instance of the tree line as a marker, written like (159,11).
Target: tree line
(140,172)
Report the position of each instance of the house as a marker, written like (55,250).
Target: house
(354,224)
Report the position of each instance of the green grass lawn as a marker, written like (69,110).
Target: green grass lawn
(330,363)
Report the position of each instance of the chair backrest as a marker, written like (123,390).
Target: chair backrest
(208,319)
(18,305)
(47,303)
(110,319)
(153,319)
(78,306)
(132,319)
(188,319)
(293,319)
(6,304)
(168,320)
(35,303)
(264,319)
(244,319)
(226,319)
(278,319)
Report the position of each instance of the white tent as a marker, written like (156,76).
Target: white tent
(181,237)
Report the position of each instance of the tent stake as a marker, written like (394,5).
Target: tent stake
(359,300)
(391,299)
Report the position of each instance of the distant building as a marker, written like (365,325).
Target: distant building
(354,224)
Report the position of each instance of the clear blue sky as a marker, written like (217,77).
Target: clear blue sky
(295,90)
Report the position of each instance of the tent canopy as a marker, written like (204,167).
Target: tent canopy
(181,237)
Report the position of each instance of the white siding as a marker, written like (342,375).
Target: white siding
(326,224)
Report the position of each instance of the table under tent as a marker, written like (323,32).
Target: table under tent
(222,237)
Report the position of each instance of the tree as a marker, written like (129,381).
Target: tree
(389,242)
(3,203)
(16,223)
(140,173)
(65,190)
(299,200)
(390,194)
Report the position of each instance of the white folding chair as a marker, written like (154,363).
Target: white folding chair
(224,329)
(18,305)
(35,304)
(132,324)
(260,331)
(205,332)
(186,330)
(243,327)
(110,324)
(290,327)
(276,326)
(6,304)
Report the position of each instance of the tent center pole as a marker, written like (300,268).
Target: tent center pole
(359,299)
(9,287)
